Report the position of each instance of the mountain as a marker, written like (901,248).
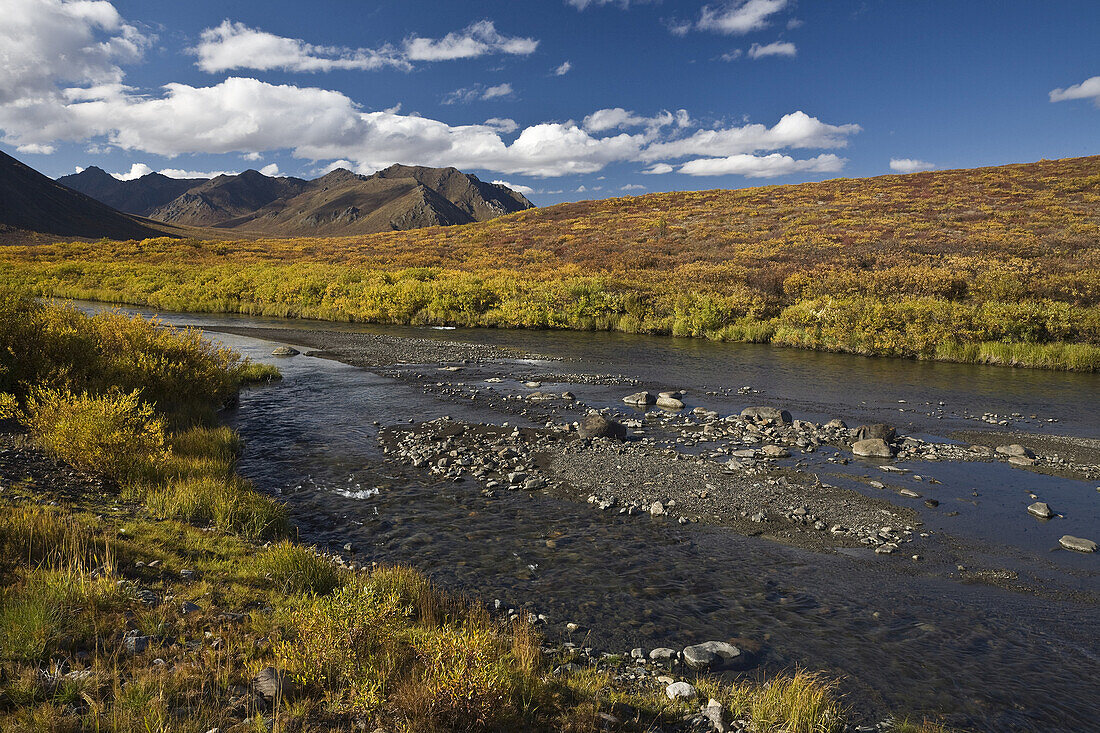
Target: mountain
(225,198)
(339,203)
(141,196)
(343,203)
(34,208)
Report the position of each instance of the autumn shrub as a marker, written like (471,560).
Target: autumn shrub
(294,569)
(112,434)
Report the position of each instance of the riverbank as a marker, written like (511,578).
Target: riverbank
(159,592)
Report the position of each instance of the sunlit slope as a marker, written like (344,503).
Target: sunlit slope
(994,264)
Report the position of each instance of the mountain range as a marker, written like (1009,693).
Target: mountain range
(34,208)
(339,203)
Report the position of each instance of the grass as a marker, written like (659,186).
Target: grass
(992,265)
(371,647)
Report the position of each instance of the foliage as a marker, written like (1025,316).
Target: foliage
(1008,255)
(294,569)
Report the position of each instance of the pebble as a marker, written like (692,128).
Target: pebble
(680,691)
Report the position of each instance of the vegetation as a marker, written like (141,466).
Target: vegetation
(143,602)
(993,265)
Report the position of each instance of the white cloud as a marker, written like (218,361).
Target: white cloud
(739,18)
(36,149)
(478,93)
(779,48)
(617,118)
(87,102)
(762,166)
(732,55)
(252,156)
(909,165)
(633,187)
(478,39)
(502,124)
(517,187)
(271,169)
(1088,89)
(794,130)
(236,46)
(137,170)
(563,69)
(624,4)
(658,169)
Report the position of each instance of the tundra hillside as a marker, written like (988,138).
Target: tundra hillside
(144,586)
(992,265)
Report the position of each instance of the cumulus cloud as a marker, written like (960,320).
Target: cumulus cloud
(779,48)
(88,102)
(563,69)
(739,18)
(137,170)
(36,149)
(762,166)
(478,92)
(1088,89)
(517,187)
(732,55)
(236,46)
(617,118)
(478,39)
(633,187)
(658,169)
(909,165)
(624,4)
(794,130)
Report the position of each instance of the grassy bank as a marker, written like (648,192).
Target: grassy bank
(996,265)
(148,590)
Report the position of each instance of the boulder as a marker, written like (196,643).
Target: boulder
(767,414)
(663,655)
(873,448)
(715,714)
(711,655)
(680,691)
(285,351)
(1077,544)
(598,426)
(881,431)
(1041,510)
(272,684)
(775,451)
(837,424)
(640,399)
(670,403)
(1015,450)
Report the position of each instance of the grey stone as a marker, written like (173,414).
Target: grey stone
(1015,450)
(670,403)
(1041,510)
(189,607)
(680,691)
(1077,544)
(767,414)
(271,684)
(663,655)
(881,431)
(716,715)
(640,399)
(137,644)
(285,351)
(873,447)
(598,426)
(775,451)
(711,655)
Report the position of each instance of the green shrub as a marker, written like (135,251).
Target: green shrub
(229,504)
(296,569)
(113,434)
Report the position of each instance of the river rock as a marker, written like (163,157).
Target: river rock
(1077,544)
(663,655)
(598,426)
(872,447)
(640,399)
(767,414)
(881,431)
(1015,450)
(680,691)
(716,715)
(669,403)
(1041,510)
(710,655)
(837,423)
(285,351)
(775,451)
(270,684)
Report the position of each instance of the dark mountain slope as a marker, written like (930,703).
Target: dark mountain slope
(227,197)
(141,196)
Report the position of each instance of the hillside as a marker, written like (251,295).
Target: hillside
(340,203)
(141,196)
(997,264)
(34,208)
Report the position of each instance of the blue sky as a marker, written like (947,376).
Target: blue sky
(568,99)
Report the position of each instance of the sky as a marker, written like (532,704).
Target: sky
(561,99)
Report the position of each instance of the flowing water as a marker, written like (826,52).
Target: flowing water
(988,658)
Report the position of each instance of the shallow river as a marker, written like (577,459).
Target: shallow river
(916,642)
